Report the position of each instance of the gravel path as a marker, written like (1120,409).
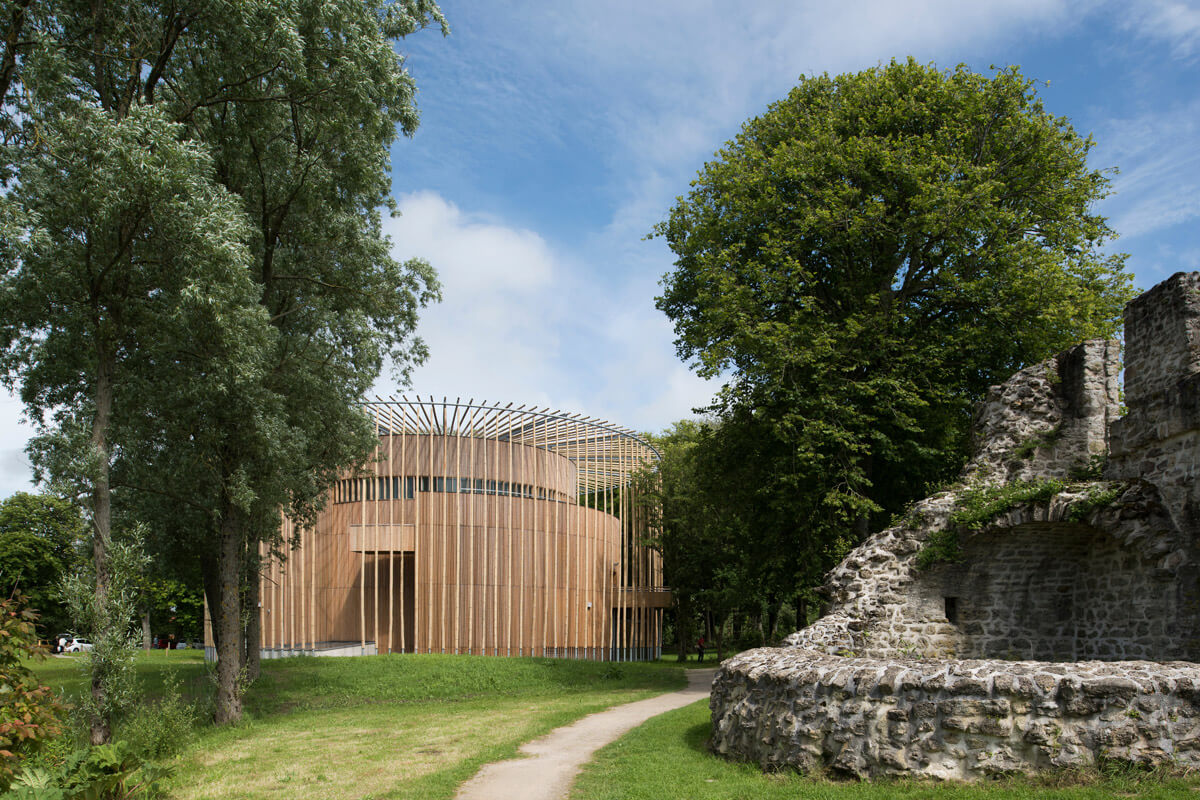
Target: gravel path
(557,756)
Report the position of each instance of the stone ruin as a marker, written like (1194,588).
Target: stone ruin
(1044,613)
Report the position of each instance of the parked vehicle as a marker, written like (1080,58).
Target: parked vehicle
(78,645)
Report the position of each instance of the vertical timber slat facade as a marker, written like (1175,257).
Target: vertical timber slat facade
(475,528)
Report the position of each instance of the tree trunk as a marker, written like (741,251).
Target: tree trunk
(801,612)
(146,627)
(253,637)
(210,573)
(719,637)
(683,628)
(99,730)
(772,621)
(227,621)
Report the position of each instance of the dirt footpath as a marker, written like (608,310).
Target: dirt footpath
(557,756)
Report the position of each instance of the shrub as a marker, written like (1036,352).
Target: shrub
(29,712)
(155,730)
(104,772)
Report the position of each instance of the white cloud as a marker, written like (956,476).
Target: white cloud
(475,255)
(1170,21)
(16,474)
(1158,186)
(547,332)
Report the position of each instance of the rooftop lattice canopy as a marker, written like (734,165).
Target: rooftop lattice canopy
(605,455)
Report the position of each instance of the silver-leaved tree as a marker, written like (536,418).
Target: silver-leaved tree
(196,288)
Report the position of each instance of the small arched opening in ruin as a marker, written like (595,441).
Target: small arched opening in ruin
(1055,592)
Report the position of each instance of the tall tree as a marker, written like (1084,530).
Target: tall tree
(864,259)
(130,258)
(230,160)
(306,150)
(679,525)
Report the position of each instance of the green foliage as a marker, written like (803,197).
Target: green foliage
(174,608)
(1093,470)
(107,621)
(40,540)
(162,727)
(29,712)
(862,261)
(940,547)
(1097,497)
(195,288)
(1031,445)
(976,506)
(106,772)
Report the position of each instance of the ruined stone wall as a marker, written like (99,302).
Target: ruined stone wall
(1105,570)
(1049,420)
(1159,437)
(1059,592)
(1059,579)
(961,720)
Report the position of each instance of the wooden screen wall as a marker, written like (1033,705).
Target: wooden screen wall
(466,535)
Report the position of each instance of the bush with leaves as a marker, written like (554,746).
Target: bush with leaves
(107,619)
(105,772)
(158,729)
(29,711)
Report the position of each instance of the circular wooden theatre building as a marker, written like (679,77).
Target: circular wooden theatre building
(480,529)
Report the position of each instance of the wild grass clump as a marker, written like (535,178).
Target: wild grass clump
(161,727)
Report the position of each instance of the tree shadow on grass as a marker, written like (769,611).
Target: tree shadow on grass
(696,737)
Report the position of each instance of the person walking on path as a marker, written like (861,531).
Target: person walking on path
(557,756)
(700,649)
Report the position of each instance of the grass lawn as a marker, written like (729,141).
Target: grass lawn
(666,759)
(399,726)
(417,726)
(64,673)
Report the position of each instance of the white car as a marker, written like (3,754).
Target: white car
(79,646)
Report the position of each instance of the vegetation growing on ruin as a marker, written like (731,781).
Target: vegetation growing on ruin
(979,505)
(1096,497)
(1031,445)
(976,506)
(941,547)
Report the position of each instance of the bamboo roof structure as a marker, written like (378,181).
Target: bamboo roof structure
(605,455)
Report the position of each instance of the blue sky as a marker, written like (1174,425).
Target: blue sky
(554,136)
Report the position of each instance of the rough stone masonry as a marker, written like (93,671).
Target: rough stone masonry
(1044,612)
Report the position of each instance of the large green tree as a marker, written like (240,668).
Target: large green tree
(861,262)
(306,149)
(217,387)
(132,260)
(41,540)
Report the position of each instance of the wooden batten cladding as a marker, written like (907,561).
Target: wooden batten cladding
(479,529)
